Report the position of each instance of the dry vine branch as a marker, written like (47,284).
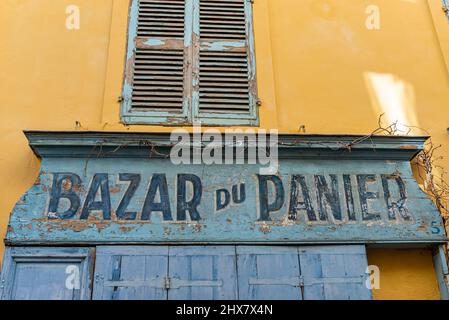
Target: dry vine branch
(427,164)
(431,173)
(434,177)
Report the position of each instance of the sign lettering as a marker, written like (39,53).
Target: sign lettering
(309,198)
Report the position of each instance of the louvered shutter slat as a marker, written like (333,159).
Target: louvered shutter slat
(224,85)
(158,77)
(188,61)
(159,18)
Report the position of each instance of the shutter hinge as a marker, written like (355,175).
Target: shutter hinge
(120,99)
(167,283)
(259,102)
(301,282)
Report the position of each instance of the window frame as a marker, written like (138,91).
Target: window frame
(83,256)
(190,114)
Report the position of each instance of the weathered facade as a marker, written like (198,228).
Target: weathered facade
(90,100)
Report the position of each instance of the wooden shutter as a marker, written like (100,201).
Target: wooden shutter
(334,272)
(131,273)
(46,274)
(227,81)
(189,61)
(268,273)
(202,273)
(156,69)
(162,272)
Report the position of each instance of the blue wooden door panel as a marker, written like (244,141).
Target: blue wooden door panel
(131,273)
(202,273)
(187,272)
(47,274)
(334,272)
(268,273)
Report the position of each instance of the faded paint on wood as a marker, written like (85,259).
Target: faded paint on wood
(130,273)
(269,273)
(160,273)
(192,68)
(334,273)
(317,197)
(47,274)
(231,272)
(202,273)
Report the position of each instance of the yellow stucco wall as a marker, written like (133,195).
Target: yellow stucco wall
(404,274)
(318,66)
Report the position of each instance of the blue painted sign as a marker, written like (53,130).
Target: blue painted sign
(176,205)
(318,196)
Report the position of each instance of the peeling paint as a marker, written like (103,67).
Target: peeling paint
(104,199)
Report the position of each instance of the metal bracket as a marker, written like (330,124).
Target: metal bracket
(178,283)
(294,282)
(300,282)
(159,283)
(335,280)
(167,283)
(164,283)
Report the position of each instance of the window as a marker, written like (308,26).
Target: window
(43,273)
(190,61)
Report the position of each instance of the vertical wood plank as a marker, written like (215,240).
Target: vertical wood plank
(131,273)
